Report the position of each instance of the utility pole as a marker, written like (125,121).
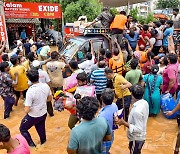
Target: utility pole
(3,30)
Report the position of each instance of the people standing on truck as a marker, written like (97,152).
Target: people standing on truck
(117,27)
(105,18)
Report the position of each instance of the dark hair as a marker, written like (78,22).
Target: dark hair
(129,16)
(102,51)
(88,56)
(108,54)
(5,57)
(137,91)
(150,55)
(176,10)
(73,64)
(134,63)
(31,56)
(157,23)
(145,27)
(162,21)
(33,75)
(123,12)
(82,77)
(18,51)
(165,60)
(131,33)
(87,107)
(14,60)
(105,8)
(101,64)
(154,32)
(108,70)
(107,96)
(172,58)
(101,58)
(3,66)
(170,22)
(154,69)
(54,55)
(4,133)
(116,51)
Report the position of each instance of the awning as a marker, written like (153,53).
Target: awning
(118,3)
(24,21)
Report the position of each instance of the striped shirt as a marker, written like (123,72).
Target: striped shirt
(99,80)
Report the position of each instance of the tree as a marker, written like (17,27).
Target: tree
(134,13)
(163,4)
(90,9)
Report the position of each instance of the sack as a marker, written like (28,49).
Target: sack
(168,104)
(70,82)
(64,100)
(86,91)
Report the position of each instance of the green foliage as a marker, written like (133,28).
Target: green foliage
(90,8)
(64,3)
(163,4)
(141,19)
(150,18)
(145,20)
(134,13)
(114,11)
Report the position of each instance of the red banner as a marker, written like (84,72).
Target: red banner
(3,34)
(32,10)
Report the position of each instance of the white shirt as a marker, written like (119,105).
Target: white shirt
(161,69)
(138,121)
(176,18)
(36,98)
(43,77)
(87,65)
(159,36)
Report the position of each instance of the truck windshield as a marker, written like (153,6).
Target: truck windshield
(72,46)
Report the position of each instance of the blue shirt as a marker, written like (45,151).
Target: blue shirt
(167,33)
(108,113)
(99,80)
(27,47)
(132,40)
(23,35)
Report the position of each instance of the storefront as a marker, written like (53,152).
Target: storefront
(15,27)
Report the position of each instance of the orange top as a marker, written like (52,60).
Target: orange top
(116,63)
(119,22)
(143,58)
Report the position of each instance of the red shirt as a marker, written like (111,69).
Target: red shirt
(147,66)
(143,34)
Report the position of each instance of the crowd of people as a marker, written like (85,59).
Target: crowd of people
(142,65)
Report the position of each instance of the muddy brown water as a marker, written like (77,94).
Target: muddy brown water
(161,134)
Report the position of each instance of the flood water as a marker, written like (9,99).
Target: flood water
(161,134)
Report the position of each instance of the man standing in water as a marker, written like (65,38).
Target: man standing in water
(35,108)
(137,121)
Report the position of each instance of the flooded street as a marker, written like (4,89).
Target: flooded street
(161,134)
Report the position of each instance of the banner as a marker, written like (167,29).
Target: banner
(3,34)
(32,10)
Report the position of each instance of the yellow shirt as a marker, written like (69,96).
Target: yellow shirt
(117,81)
(22,78)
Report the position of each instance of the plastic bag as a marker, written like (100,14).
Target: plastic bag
(86,91)
(168,104)
(70,82)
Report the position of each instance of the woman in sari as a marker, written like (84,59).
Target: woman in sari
(152,83)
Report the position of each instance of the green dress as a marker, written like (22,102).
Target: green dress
(155,108)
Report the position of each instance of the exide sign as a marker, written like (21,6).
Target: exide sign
(32,10)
